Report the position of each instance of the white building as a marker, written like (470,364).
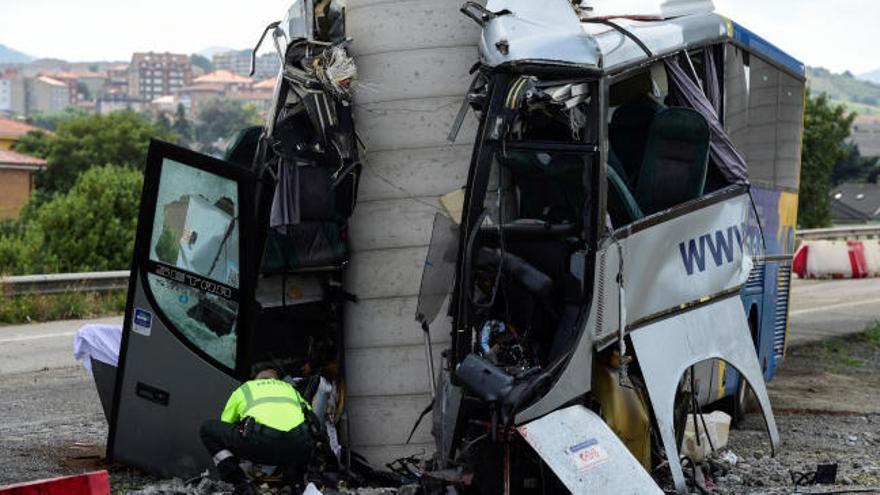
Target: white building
(6,96)
(239,62)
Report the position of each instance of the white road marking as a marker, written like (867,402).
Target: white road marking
(831,307)
(25,338)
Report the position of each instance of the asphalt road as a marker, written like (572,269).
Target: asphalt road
(53,422)
(827,308)
(39,346)
(819,309)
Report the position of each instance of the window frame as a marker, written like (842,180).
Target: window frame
(782,70)
(159,151)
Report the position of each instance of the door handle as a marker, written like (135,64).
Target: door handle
(152,394)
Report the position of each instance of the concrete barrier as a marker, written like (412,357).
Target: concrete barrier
(837,259)
(872,257)
(95,483)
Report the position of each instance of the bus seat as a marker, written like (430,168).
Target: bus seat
(676,160)
(628,134)
(622,206)
(550,184)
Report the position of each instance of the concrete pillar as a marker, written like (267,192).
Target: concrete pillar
(413,57)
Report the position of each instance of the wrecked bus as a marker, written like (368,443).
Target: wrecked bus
(636,167)
(624,250)
(240,262)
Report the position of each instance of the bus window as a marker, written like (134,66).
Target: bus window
(764,112)
(195,230)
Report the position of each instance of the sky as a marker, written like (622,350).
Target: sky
(835,34)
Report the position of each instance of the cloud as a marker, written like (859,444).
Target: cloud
(834,34)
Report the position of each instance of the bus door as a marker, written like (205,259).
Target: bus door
(188,303)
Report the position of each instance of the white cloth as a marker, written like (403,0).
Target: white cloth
(100,342)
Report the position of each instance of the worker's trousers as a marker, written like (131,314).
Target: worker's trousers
(290,450)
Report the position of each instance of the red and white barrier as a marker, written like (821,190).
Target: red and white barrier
(837,259)
(96,483)
(872,257)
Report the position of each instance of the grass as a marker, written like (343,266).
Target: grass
(66,306)
(872,334)
(850,352)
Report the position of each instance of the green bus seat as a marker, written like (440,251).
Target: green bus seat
(676,160)
(622,206)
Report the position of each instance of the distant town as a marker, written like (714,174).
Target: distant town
(150,82)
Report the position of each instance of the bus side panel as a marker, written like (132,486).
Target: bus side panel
(768,287)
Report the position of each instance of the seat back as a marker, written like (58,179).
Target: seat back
(550,185)
(622,206)
(628,135)
(676,160)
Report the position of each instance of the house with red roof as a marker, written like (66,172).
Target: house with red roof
(11,131)
(16,181)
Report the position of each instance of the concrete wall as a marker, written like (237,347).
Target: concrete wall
(413,57)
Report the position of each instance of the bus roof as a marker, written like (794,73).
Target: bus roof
(552,32)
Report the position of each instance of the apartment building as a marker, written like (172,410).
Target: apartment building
(152,74)
(109,102)
(46,94)
(6,96)
(94,81)
(117,79)
(70,80)
(239,62)
(12,94)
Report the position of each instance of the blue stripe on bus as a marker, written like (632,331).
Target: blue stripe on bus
(767,49)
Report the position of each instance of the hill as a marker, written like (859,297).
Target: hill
(10,56)
(873,76)
(859,95)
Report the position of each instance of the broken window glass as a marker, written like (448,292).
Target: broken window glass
(195,250)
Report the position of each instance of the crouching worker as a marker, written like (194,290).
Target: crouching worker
(266,422)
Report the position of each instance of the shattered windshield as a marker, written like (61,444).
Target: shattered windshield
(195,247)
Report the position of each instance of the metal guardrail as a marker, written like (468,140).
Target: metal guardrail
(849,233)
(57,283)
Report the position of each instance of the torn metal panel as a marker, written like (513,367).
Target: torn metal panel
(547,31)
(643,9)
(445,416)
(667,348)
(551,32)
(676,258)
(585,453)
(298,24)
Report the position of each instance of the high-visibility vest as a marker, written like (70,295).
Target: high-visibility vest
(273,403)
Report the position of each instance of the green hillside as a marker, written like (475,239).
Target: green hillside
(860,96)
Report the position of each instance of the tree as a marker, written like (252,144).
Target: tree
(827,127)
(182,126)
(221,118)
(201,62)
(89,228)
(854,167)
(35,143)
(120,138)
(164,123)
(51,121)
